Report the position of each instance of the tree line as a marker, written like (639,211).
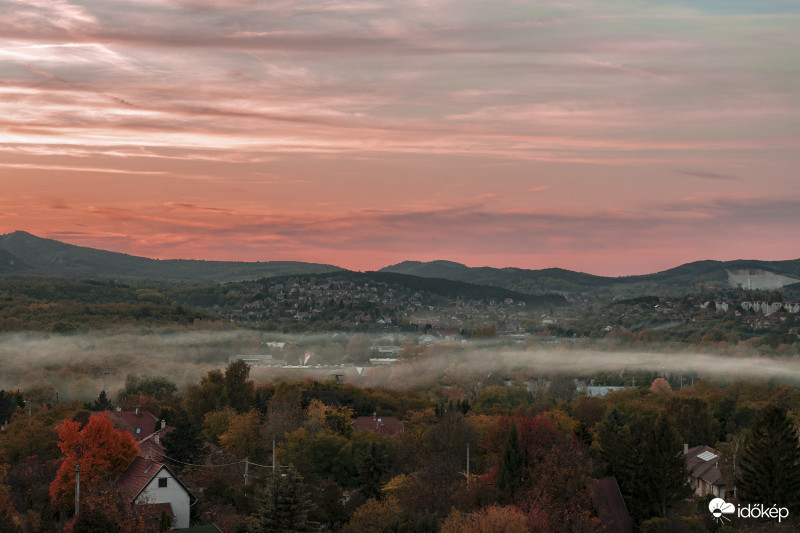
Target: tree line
(499,459)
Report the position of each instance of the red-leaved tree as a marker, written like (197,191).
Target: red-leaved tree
(102,451)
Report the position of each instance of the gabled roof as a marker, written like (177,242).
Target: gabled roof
(610,506)
(135,478)
(149,444)
(139,474)
(386,425)
(702,462)
(131,420)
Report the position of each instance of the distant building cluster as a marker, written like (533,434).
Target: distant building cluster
(375,305)
(768,308)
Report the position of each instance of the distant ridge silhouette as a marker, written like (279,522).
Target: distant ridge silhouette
(23,254)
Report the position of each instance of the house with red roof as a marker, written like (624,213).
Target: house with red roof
(151,446)
(138,423)
(145,428)
(702,464)
(147,482)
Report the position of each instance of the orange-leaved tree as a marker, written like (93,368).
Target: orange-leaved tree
(508,519)
(102,451)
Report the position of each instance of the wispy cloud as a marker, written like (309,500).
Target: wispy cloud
(336,125)
(709,175)
(374,238)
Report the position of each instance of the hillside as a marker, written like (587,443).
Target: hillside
(23,254)
(683,279)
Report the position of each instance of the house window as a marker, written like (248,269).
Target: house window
(138,430)
(162,482)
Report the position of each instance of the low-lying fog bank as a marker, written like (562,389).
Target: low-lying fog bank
(75,365)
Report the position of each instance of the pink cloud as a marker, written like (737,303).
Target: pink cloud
(605,243)
(365,131)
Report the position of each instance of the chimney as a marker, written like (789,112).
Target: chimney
(163,423)
(685,449)
(155,437)
(137,411)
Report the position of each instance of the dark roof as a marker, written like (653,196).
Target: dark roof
(136,477)
(386,425)
(152,449)
(701,465)
(131,420)
(139,473)
(610,507)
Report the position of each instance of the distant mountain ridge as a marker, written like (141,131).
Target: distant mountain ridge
(679,280)
(24,254)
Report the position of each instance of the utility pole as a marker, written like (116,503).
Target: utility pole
(273,454)
(105,378)
(246,465)
(77,488)
(468,463)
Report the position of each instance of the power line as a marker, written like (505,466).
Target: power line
(256,464)
(193,464)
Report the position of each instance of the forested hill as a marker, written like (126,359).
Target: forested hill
(688,278)
(23,254)
(445,288)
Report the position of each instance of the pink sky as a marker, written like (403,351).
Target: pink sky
(606,137)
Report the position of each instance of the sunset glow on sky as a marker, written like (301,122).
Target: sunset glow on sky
(608,137)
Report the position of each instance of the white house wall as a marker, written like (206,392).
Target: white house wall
(173,494)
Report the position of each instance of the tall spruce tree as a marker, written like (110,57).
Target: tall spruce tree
(284,505)
(644,453)
(616,447)
(373,465)
(511,470)
(769,470)
(102,403)
(664,465)
(183,444)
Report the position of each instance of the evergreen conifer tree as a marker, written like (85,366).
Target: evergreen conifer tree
(511,471)
(102,403)
(184,443)
(373,465)
(284,505)
(616,447)
(664,466)
(645,456)
(769,470)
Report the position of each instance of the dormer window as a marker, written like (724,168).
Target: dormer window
(138,430)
